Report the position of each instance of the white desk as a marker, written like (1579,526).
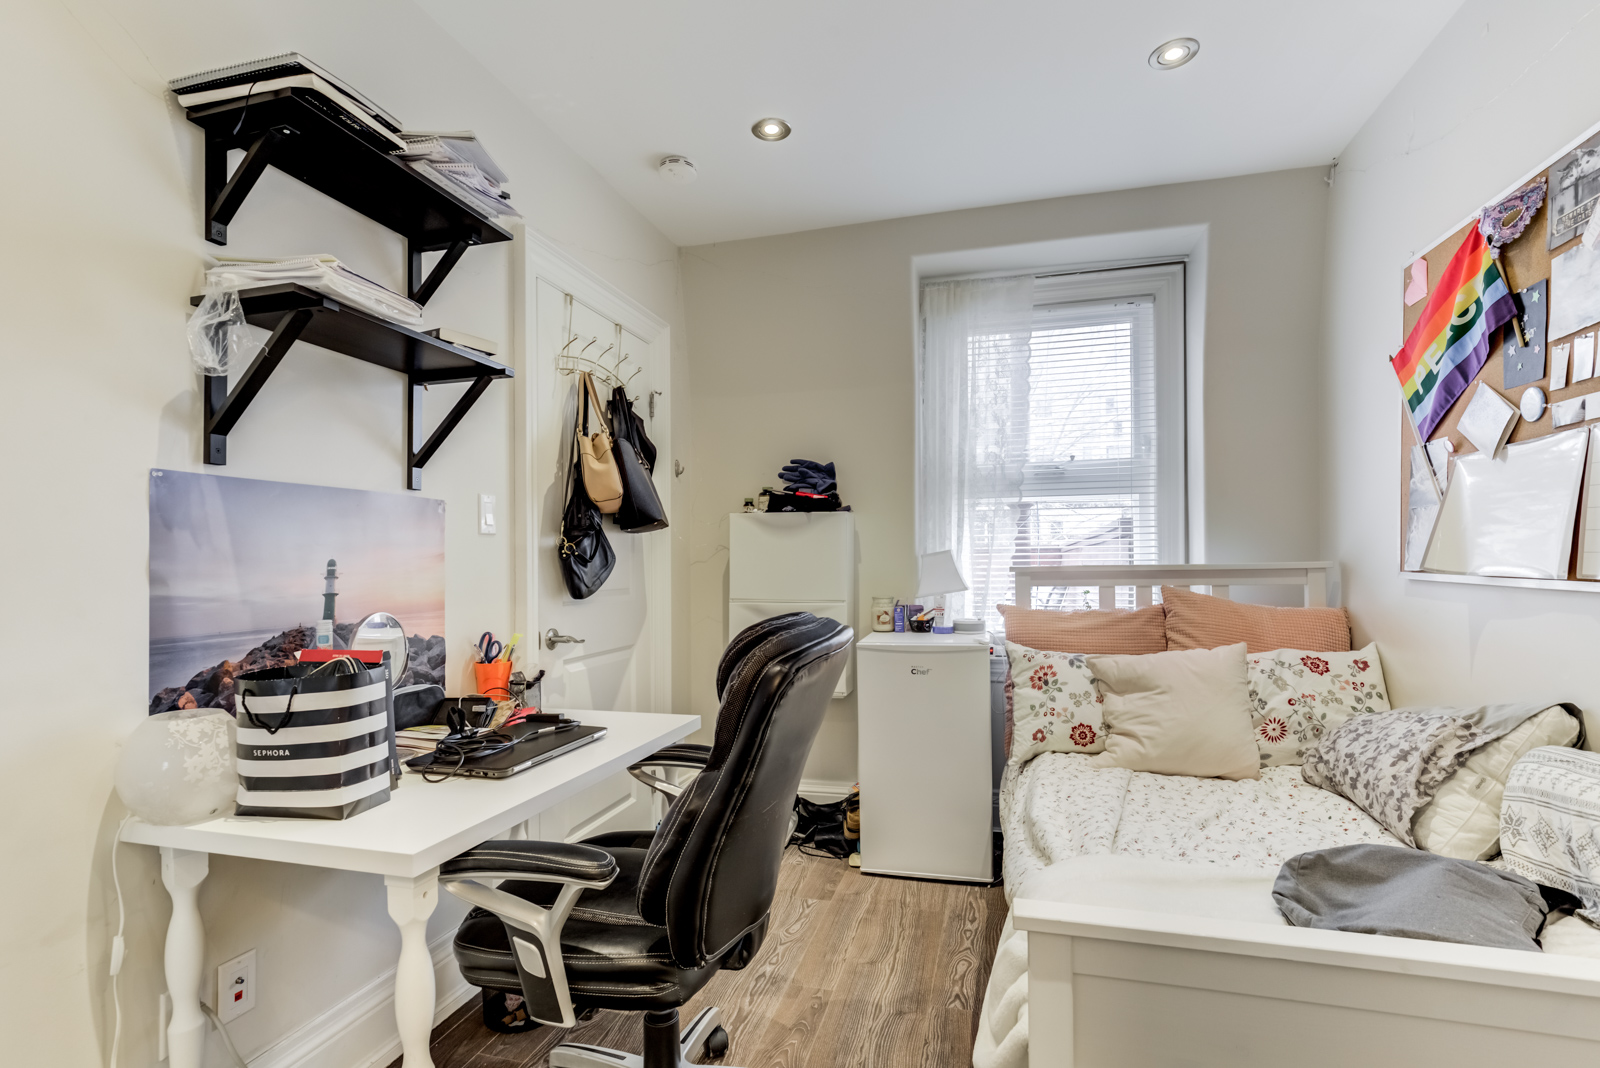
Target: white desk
(405,841)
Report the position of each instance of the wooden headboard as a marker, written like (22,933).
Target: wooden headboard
(1319,580)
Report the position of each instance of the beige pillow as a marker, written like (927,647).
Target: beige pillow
(1463,819)
(1178,713)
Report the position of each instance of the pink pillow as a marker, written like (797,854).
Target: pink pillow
(1114,631)
(1196,621)
(1104,630)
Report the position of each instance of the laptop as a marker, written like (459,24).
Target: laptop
(536,748)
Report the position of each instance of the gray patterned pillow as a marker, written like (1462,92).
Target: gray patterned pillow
(1390,763)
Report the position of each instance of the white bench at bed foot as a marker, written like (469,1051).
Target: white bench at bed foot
(1116,988)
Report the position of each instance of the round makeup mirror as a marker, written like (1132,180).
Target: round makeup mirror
(380,630)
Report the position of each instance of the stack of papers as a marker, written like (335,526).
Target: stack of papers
(458,163)
(415,741)
(324,274)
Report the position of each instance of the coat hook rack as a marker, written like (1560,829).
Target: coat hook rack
(568,364)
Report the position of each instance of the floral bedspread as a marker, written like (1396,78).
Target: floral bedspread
(1057,806)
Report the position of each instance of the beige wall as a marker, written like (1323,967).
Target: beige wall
(1426,160)
(802,347)
(100,198)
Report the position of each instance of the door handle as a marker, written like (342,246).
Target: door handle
(553,638)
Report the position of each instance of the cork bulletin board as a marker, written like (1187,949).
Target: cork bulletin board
(1525,261)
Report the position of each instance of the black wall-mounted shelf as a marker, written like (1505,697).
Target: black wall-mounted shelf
(283,129)
(294,313)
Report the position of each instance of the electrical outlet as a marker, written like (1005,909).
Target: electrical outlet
(236,987)
(485,513)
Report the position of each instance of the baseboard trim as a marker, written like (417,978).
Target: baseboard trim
(825,790)
(360,1032)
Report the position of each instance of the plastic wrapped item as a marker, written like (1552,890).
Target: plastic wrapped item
(324,274)
(217,334)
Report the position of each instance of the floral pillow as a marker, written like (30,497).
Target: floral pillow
(1297,697)
(1055,706)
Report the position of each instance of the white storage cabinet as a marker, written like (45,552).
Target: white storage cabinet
(924,733)
(793,562)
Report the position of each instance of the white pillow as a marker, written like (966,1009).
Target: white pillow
(1296,697)
(1055,707)
(1177,713)
(1463,819)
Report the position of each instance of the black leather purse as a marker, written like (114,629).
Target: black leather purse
(586,554)
(641,510)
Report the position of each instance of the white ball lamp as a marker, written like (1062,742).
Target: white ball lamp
(178,767)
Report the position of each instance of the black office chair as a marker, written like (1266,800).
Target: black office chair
(661,913)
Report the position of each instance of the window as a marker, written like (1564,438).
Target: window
(1050,426)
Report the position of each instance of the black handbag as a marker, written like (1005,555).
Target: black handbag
(586,554)
(641,510)
(626,422)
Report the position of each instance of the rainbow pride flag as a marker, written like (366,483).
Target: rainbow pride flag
(1450,343)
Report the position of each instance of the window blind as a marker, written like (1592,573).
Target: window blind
(1081,432)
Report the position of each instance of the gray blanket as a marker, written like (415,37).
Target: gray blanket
(1391,763)
(1389,890)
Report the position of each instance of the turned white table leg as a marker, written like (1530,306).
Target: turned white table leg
(182,872)
(411,902)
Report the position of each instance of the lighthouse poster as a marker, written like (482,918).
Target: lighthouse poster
(243,572)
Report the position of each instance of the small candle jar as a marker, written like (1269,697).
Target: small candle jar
(883,613)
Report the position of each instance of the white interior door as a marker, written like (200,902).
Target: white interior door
(620,658)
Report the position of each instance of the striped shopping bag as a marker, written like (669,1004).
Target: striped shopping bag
(315,741)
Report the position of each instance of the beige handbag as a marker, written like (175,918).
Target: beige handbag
(598,462)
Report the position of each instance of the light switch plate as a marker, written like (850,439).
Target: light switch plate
(485,513)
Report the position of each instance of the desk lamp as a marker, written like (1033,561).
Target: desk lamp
(938,575)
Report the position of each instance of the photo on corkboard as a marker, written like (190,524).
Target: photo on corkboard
(1574,187)
(240,578)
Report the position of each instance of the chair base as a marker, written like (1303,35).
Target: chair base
(663,1046)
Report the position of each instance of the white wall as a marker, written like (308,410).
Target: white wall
(1503,87)
(100,199)
(803,348)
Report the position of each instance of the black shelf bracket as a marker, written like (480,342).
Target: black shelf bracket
(420,456)
(225,193)
(223,409)
(422,289)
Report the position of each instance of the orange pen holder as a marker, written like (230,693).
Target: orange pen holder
(494,680)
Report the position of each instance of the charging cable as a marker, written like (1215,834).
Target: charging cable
(118,946)
(226,1041)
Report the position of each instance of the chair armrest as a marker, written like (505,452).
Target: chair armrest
(534,931)
(543,861)
(683,755)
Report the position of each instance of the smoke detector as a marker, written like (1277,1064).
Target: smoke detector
(677,169)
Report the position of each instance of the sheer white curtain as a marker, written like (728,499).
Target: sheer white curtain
(972,390)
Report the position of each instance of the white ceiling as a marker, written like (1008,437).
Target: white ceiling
(901,108)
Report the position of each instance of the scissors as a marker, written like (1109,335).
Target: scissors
(488,648)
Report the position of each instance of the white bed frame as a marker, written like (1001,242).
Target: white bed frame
(1116,988)
(1319,580)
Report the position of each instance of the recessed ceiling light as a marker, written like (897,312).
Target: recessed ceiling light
(677,169)
(1174,53)
(771,129)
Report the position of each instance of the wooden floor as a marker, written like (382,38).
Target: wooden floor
(857,970)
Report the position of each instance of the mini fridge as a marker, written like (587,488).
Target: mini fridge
(923,714)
